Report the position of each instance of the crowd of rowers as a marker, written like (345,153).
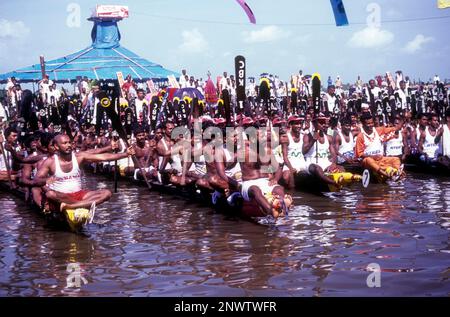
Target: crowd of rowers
(253,159)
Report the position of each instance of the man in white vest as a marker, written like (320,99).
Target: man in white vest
(443,137)
(369,148)
(61,176)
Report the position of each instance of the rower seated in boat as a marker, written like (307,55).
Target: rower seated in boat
(396,145)
(292,146)
(429,150)
(7,172)
(344,143)
(169,165)
(320,154)
(263,196)
(29,171)
(443,138)
(47,149)
(16,157)
(61,176)
(146,155)
(222,169)
(369,149)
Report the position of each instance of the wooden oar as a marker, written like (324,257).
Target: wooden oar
(136,162)
(115,176)
(105,102)
(316,104)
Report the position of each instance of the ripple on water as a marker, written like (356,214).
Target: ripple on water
(147,244)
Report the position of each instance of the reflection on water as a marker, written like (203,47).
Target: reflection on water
(147,244)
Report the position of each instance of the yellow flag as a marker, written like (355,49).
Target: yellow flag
(443,4)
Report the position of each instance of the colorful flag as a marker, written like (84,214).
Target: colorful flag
(339,12)
(443,4)
(247,10)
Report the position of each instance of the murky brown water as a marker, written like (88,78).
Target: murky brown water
(146,244)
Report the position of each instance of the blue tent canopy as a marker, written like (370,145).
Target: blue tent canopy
(102,60)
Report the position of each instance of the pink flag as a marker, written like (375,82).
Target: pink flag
(247,10)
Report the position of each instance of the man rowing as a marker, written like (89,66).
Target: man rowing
(8,166)
(429,149)
(417,132)
(292,148)
(46,150)
(267,196)
(29,171)
(169,161)
(397,146)
(319,152)
(215,158)
(145,154)
(15,157)
(61,176)
(369,149)
(443,138)
(344,143)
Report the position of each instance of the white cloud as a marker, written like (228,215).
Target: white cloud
(303,39)
(417,43)
(193,42)
(266,34)
(394,14)
(371,37)
(9,29)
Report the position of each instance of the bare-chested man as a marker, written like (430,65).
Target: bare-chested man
(169,162)
(268,195)
(145,154)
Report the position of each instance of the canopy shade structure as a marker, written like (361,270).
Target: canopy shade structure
(102,60)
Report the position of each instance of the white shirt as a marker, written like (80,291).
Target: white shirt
(2,113)
(67,182)
(223,83)
(140,106)
(43,87)
(445,142)
(9,85)
(55,94)
(281,91)
(375,91)
(402,95)
(183,81)
(85,85)
(331,101)
(250,90)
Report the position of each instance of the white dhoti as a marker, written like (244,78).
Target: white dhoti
(145,170)
(298,163)
(261,183)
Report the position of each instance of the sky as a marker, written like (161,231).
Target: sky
(206,35)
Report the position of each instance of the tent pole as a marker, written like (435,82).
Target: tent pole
(42,62)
